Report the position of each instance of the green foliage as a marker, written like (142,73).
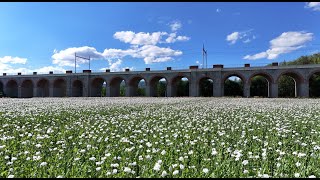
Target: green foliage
(103,91)
(206,88)
(314,86)
(122,90)
(161,89)
(183,88)
(141,92)
(286,87)
(259,87)
(233,88)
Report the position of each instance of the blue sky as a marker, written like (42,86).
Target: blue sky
(44,36)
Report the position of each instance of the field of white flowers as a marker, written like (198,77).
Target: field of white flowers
(159,137)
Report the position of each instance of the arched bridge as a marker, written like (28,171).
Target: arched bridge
(89,84)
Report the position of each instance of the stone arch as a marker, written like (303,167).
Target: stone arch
(115,86)
(77,88)
(134,85)
(59,87)
(238,74)
(261,92)
(225,89)
(12,88)
(43,88)
(154,83)
(205,84)
(175,91)
(96,86)
(27,88)
(296,77)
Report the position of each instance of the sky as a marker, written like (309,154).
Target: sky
(44,36)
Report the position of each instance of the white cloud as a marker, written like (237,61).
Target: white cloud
(246,41)
(285,43)
(172,38)
(218,10)
(151,54)
(313,5)
(143,38)
(5,68)
(46,69)
(175,25)
(113,66)
(142,45)
(140,38)
(183,38)
(66,57)
(235,36)
(12,60)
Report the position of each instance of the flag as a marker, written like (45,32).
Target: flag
(204,51)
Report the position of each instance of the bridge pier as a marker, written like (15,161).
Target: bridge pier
(246,90)
(169,90)
(35,91)
(193,89)
(148,90)
(217,89)
(19,91)
(129,90)
(303,89)
(273,90)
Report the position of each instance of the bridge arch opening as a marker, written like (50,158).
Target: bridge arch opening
(77,88)
(117,87)
(206,87)
(260,85)
(98,87)
(233,86)
(12,89)
(1,90)
(59,88)
(288,84)
(314,85)
(43,88)
(180,86)
(27,89)
(158,86)
(137,86)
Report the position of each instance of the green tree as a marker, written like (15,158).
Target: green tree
(233,88)
(206,88)
(103,91)
(122,90)
(141,92)
(182,88)
(259,86)
(161,89)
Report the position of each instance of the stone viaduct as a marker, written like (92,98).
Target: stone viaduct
(89,84)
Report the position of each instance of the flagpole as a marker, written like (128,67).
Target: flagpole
(203,56)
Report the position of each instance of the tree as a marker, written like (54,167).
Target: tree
(161,89)
(233,87)
(206,87)
(103,91)
(259,86)
(182,88)
(122,90)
